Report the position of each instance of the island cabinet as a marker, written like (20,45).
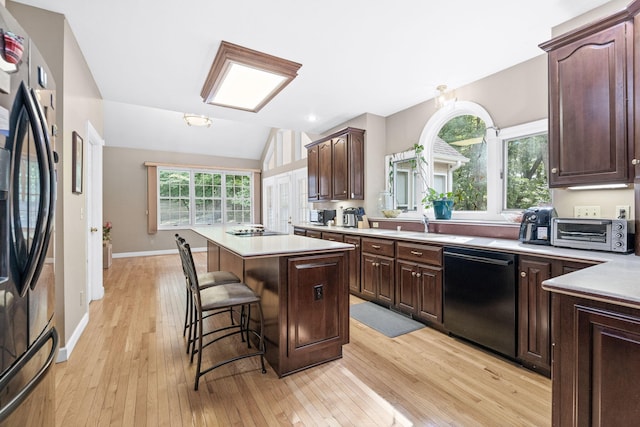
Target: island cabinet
(303,288)
(596,360)
(378,270)
(335,166)
(534,334)
(354,262)
(419,281)
(591,102)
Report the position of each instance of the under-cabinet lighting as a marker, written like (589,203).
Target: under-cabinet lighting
(246,79)
(598,187)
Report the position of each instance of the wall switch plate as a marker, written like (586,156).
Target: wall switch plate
(586,211)
(622,211)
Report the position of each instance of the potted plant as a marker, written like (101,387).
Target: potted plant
(442,203)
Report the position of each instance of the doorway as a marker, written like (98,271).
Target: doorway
(95,288)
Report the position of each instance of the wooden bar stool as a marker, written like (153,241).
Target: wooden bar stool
(230,296)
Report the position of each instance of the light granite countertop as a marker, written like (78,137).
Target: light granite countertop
(268,246)
(616,279)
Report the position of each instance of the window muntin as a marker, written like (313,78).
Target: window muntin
(189,197)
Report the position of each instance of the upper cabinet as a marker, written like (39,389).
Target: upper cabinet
(335,166)
(591,102)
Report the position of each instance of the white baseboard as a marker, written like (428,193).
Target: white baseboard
(153,253)
(65,352)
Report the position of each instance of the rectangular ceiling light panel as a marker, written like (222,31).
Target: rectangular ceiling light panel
(246,79)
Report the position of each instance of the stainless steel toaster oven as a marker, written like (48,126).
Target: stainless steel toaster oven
(611,235)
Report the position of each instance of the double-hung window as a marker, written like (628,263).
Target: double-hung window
(190,197)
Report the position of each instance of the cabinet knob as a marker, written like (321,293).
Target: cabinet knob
(554,170)
(418,275)
(523,274)
(416,253)
(635,161)
(413,273)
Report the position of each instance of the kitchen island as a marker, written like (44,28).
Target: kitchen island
(303,286)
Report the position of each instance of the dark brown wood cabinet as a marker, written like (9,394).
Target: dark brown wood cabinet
(534,308)
(419,281)
(596,360)
(299,231)
(354,262)
(335,166)
(378,270)
(333,237)
(315,234)
(591,103)
(314,324)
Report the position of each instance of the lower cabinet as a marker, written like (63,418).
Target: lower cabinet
(299,231)
(534,308)
(419,281)
(596,380)
(378,270)
(353,260)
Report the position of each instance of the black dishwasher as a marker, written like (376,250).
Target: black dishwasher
(480,297)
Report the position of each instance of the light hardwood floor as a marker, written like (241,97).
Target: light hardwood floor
(130,368)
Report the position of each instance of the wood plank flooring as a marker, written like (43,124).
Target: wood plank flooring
(130,368)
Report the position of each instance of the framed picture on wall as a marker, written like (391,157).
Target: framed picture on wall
(77,162)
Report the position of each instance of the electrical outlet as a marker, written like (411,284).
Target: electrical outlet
(375,224)
(622,211)
(586,211)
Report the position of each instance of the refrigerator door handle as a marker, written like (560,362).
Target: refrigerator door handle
(52,335)
(32,256)
(49,169)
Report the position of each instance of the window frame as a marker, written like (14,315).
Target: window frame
(524,130)
(496,157)
(192,197)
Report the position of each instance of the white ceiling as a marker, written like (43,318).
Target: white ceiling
(150,58)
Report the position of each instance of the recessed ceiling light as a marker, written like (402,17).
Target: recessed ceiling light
(312,118)
(197,120)
(246,79)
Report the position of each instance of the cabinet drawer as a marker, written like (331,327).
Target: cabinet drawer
(419,253)
(334,237)
(378,246)
(315,234)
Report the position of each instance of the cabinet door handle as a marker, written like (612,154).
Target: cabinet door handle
(635,161)
(523,274)
(375,246)
(331,239)
(554,170)
(357,245)
(416,253)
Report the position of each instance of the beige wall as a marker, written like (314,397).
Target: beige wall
(78,101)
(125,196)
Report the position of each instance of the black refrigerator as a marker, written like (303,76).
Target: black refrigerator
(28,338)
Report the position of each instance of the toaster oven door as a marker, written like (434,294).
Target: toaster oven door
(581,234)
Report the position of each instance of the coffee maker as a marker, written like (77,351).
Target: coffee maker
(536,225)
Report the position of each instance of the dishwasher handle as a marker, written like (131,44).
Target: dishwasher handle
(494,261)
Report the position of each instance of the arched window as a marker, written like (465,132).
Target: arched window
(463,156)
